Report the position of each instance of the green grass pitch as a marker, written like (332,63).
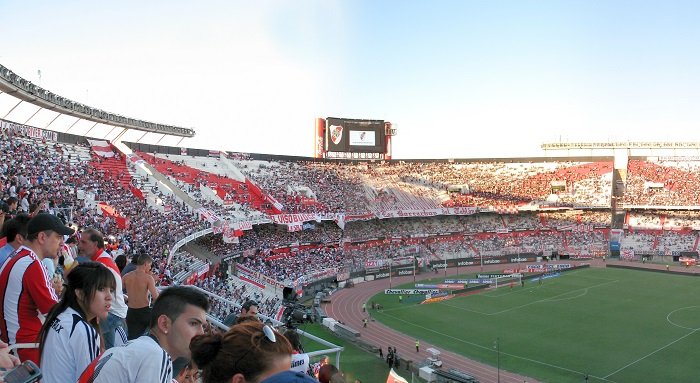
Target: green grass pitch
(614,325)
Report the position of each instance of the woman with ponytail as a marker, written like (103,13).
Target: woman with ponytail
(70,337)
(247,353)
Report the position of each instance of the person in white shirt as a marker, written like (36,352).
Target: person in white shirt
(69,338)
(177,316)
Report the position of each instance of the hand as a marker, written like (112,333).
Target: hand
(57,283)
(7,360)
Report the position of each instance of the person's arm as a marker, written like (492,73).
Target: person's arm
(39,287)
(152,288)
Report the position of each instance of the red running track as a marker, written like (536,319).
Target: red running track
(346,307)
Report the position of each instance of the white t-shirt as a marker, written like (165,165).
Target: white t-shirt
(71,344)
(139,361)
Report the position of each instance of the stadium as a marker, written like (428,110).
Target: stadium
(356,191)
(349,229)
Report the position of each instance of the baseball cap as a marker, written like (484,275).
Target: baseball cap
(45,221)
(290,377)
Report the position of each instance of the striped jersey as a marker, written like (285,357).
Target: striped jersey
(26,295)
(139,361)
(70,345)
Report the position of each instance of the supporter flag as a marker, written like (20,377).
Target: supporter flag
(109,211)
(229,235)
(101,148)
(395,378)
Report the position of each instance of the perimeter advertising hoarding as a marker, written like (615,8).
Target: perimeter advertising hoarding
(355,136)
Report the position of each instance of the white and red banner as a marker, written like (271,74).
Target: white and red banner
(395,378)
(208,215)
(28,131)
(627,254)
(229,235)
(102,148)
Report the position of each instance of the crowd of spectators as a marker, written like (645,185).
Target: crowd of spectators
(60,179)
(232,289)
(64,180)
(357,188)
(662,183)
(308,187)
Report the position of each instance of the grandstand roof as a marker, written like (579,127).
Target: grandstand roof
(25,90)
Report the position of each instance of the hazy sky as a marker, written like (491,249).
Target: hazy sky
(457,78)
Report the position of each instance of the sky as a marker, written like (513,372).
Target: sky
(458,79)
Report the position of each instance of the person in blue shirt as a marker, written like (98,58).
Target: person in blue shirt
(15,230)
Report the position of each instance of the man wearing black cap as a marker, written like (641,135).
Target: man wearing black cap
(25,289)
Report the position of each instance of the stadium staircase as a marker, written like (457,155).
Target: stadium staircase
(503,221)
(154,178)
(113,168)
(471,246)
(697,241)
(201,252)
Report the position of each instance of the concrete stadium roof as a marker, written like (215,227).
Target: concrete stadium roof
(25,90)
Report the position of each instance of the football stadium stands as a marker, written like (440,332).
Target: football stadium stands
(553,206)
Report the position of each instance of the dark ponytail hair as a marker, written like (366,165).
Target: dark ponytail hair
(87,277)
(243,349)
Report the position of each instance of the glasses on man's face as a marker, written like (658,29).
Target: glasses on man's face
(269,335)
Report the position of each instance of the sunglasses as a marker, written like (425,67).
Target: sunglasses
(269,335)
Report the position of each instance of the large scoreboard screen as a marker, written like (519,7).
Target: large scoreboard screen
(355,136)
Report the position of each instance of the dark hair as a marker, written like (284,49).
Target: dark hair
(172,301)
(243,349)
(11,200)
(142,259)
(326,372)
(95,236)
(88,277)
(248,304)
(14,226)
(246,318)
(120,261)
(293,338)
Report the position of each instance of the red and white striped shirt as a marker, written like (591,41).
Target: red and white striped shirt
(26,294)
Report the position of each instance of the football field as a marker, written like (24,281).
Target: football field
(612,325)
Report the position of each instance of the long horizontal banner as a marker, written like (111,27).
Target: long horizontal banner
(380,263)
(449,286)
(28,131)
(383,214)
(411,291)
